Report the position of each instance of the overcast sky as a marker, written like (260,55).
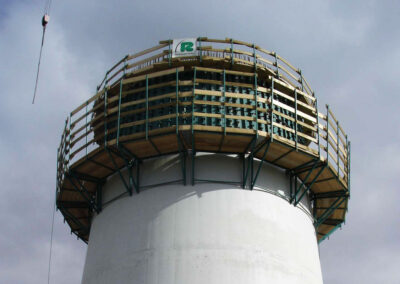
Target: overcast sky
(349,53)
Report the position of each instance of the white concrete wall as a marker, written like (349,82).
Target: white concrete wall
(202,234)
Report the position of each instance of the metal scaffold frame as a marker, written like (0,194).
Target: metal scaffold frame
(260,109)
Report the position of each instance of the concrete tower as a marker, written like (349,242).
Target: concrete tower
(203,161)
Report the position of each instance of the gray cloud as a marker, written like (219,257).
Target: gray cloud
(349,52)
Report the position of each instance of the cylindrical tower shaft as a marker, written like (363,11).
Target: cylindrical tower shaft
(212,232)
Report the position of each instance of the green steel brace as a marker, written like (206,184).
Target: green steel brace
(73,219)
(99,198)
(128,188)
(330,210)
(308,187)
(249,159)
(290,183)
(253,180)
(295,118)
(147,107)
(82,190)
(181,151)
(282,156)
(193,160)
(183,161)
(302,167)
(297,190)
(130,161)
(243,160)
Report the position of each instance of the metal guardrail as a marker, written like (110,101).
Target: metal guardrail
(327,139)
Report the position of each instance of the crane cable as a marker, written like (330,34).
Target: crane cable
(51,242)
(45,20)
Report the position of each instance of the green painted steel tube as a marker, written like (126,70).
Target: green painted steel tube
(295,118)
(177,102)
(310,185)
(301,81)
(330,210)
(303,182)
(200,51)
(147,107)
(169,53)
(86,109)
(337,148)
(256,102)
(260,165)
(327,135)
(105,114)
(223,98)
(276,65)
(272,110)
(193,97)
(254,58)
(119,111)
(232,60)
(318,134)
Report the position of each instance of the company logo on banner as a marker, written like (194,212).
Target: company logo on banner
(184,47)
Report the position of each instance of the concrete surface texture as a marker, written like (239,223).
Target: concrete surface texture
(204,234)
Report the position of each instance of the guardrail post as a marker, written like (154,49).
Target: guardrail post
(177,102)
(200,51)
(69,142)
(295,117)
(169,53)
(301,81)
(254,58)
(86,122)
(119,102)
(327,135)
(272,110)
(193,98)
(255,100)
(105,113)
(147,107)
(318,134)
(223,101)
(119,111)
(347,161)
(232,60)
(276,65)
(337,149)
(348,164)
